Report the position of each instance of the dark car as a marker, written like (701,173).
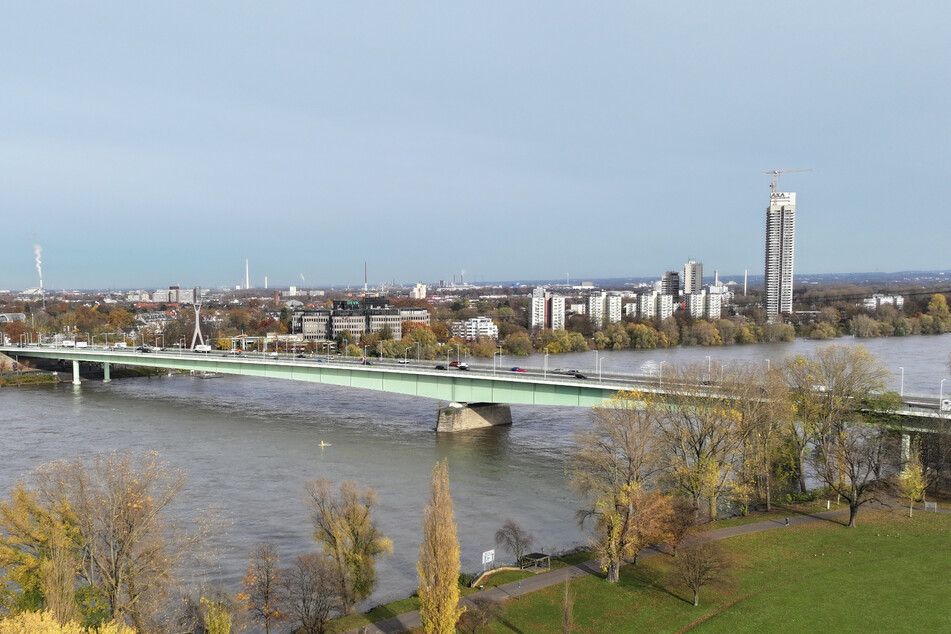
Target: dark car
(578,375)
(441,367)
(143,349)
(367,362)
(301,355)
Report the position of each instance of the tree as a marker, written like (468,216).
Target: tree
(567,609)
(344,526)
(613,464)
(261,584)
(309,594)
(46,623)
(682,519)
(938,306)
(702,434)
(131,546)
(912,481)
(828,388)
(765,409)
(40,550)
(850,459)
(698,565)
(514,539)
(217,617)
(438,564)
(484,612)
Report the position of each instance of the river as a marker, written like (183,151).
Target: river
(248,446)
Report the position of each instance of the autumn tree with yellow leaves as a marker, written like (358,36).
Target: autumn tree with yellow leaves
(615,465)
(344,526)
(438,564)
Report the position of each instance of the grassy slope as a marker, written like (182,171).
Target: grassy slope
(887,574)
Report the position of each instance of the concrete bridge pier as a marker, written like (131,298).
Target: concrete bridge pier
(105,373)
(905,448)
(464,416)
(76,380)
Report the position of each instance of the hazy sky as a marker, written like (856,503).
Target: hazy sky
(148,144)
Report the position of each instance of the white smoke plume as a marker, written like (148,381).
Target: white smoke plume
(38,251)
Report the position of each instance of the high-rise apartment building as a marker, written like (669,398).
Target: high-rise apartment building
(780,245)
(548,310)
(693,277)
(670,283)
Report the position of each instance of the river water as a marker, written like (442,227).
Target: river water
(248,446)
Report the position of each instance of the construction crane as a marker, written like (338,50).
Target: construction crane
(774,186)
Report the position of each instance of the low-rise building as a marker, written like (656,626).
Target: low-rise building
(878,299)
(472,329)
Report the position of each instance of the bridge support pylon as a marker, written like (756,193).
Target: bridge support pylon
(76,379)
(465,416)
(105,373)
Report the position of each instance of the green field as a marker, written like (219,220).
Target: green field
(890,573)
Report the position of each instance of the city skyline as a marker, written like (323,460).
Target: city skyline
(148,146)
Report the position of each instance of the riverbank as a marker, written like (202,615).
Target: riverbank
(771,572)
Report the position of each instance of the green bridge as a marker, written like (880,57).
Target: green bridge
(478,397)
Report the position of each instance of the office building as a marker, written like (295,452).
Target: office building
(358,317)
(780,245)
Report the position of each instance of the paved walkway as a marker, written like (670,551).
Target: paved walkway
(410,620)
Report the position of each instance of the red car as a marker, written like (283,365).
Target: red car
(518,369)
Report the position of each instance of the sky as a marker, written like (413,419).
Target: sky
(150,144)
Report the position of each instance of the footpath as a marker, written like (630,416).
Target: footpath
(514,590)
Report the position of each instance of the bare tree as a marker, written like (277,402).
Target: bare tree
(344,525)
(438,564)
(131,546)
(261,586)
(482,613)
(567,609)
(514,539)
(852,459)
(698,565)
(309,592)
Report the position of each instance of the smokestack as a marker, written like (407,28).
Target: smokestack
(716,277)
(277,298)
(265,282)
(247,279)
(744,282)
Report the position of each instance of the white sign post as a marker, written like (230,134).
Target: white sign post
(487,558)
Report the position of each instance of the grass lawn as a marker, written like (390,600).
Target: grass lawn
(890,573)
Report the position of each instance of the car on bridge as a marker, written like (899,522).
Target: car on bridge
(518,369)
(441,367)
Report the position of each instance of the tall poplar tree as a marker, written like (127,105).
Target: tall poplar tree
(438,564)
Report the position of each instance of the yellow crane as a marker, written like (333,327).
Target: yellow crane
(774,186)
